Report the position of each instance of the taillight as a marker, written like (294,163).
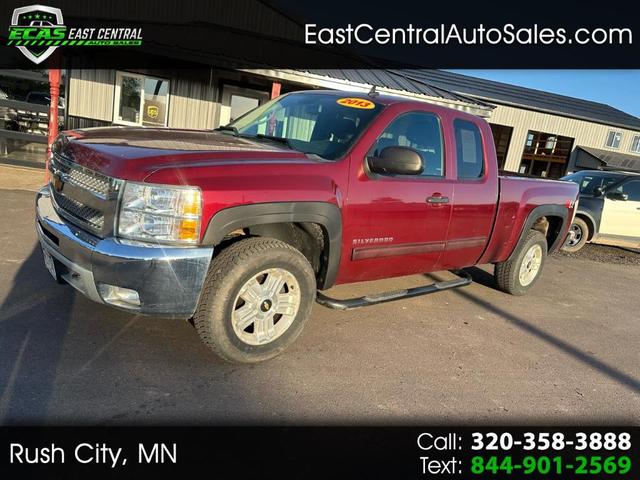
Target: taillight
(573,205)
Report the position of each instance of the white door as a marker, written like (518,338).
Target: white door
(622,217)
(236,101)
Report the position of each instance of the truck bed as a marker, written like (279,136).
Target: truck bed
(518,195)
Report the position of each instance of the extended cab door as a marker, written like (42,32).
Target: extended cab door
(397,225)
(622,217)
(475,192)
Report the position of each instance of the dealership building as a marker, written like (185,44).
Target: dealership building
(535,132)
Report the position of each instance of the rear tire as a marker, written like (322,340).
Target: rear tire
(520,273)
(581,232)
(256,300)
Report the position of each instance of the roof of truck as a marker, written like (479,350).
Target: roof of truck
(376,98)
(397,80)
(381,99)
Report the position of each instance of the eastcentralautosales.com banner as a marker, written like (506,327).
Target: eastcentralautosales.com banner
(332,34)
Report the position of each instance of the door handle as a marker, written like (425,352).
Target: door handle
(437,198)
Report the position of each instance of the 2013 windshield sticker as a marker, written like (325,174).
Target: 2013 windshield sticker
(38,30)
(354,102)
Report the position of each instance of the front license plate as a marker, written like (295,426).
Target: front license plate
(48,262)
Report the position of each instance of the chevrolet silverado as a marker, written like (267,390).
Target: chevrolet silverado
(238,229)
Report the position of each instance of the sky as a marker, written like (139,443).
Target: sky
(618,88)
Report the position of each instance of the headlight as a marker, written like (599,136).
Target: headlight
(161,213)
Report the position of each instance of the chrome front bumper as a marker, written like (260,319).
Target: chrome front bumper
(168,279)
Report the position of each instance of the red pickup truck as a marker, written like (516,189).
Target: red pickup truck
(239,227)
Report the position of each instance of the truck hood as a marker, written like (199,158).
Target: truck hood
(133,153)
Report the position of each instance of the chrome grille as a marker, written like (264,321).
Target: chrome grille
(82,177)
(83,196)
(79,212)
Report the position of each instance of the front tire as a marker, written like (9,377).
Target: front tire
(520,273)
(256,300)
(581,233)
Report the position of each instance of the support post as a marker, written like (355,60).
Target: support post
(275,89)
(54,91)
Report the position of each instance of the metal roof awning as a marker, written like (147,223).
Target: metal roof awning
(522,97)
(386,81)
(614,160)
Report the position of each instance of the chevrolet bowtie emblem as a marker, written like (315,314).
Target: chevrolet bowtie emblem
(57,184)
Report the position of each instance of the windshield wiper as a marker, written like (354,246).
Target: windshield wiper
(259,136)
(228,128)
(284,141)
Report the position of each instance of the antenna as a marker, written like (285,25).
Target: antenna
(372,93)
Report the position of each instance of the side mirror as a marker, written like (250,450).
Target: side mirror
(597,191)
(618,196)
(397,161)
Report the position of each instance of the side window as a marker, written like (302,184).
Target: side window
(589,183)
(632,189)
(469,153)
(419,131)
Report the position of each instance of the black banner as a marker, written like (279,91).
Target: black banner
(328,34)
(320,452)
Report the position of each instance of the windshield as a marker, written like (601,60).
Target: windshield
(588,182)
(324,125)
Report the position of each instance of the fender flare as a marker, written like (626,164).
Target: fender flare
(543,211)
(326,214)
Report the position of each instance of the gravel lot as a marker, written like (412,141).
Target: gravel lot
(565,353)
(606,254)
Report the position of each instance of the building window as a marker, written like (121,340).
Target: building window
(530,138)
(141,100)
(551,143)
(545,154)
(635,144)
(613,139)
